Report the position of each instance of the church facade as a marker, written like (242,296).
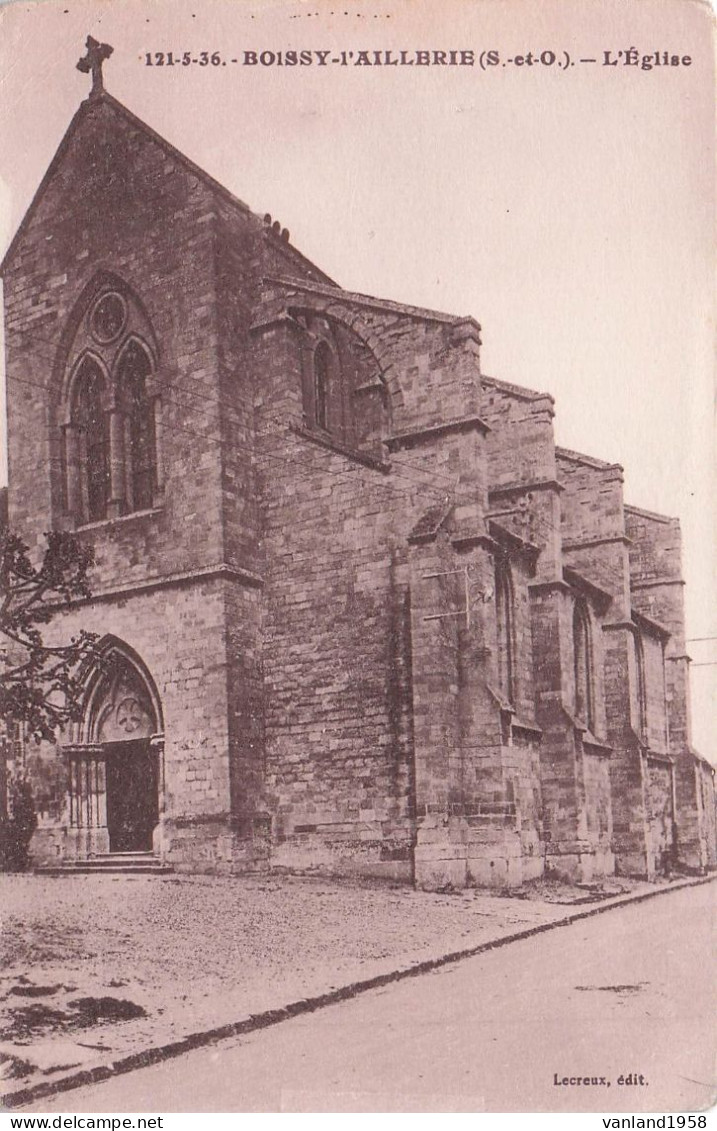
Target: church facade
(359,614)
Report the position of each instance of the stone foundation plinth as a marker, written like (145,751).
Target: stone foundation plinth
(483,850)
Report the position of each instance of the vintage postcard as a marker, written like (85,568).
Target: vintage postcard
(358,644)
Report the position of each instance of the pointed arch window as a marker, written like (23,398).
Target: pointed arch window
(322,373)
(111,413)
(133,371)
(91,426)
(582,658)
(505,614)
(641,686)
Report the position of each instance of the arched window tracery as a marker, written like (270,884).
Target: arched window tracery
(112,413)
(344,393)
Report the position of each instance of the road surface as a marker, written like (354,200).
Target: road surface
(626,995)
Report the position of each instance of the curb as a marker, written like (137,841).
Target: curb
(270,1017)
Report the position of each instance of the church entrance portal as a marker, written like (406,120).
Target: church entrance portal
(115,769)
(132,795)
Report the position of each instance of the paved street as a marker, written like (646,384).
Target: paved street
(628,992)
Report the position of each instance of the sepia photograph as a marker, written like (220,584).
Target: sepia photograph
(358,559)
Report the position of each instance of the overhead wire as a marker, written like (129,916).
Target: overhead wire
(292,461)
(436,492)
(406,466)
(220,402)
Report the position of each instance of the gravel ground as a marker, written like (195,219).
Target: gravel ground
(97,967)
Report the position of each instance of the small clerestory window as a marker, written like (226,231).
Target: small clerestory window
(322,371)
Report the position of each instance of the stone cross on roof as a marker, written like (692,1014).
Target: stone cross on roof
(93,60)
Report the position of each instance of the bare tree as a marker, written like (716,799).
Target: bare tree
(40,684)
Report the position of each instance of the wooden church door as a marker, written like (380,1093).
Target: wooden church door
(132,795)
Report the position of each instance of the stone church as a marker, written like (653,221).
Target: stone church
(359,614)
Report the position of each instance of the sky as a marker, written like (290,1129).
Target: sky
(567,205)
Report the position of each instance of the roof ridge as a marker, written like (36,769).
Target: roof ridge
(664,518)
(521,391)
(369,300)
(197,170)
(589,461)
(39,191)
(88,105)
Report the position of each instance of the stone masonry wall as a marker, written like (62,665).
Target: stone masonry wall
(427,360)
(117,205)
(526,497)
(660,816)
(336,657)
(465,763)
(657,592)
(598,810)
(178,632)
(523,489)
(282,588)
(596,545)
(336,665)
(593,525)
(236,255)
(706,776)
(656,735)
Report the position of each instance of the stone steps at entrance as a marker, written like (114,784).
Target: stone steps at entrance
(110,864)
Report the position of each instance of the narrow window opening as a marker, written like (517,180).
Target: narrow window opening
(321,385)
(583,666)
(641,687)
(506,631)
(135,368)
(92,424)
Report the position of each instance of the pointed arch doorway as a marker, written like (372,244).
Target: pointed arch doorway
(132,795)
(115,770)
